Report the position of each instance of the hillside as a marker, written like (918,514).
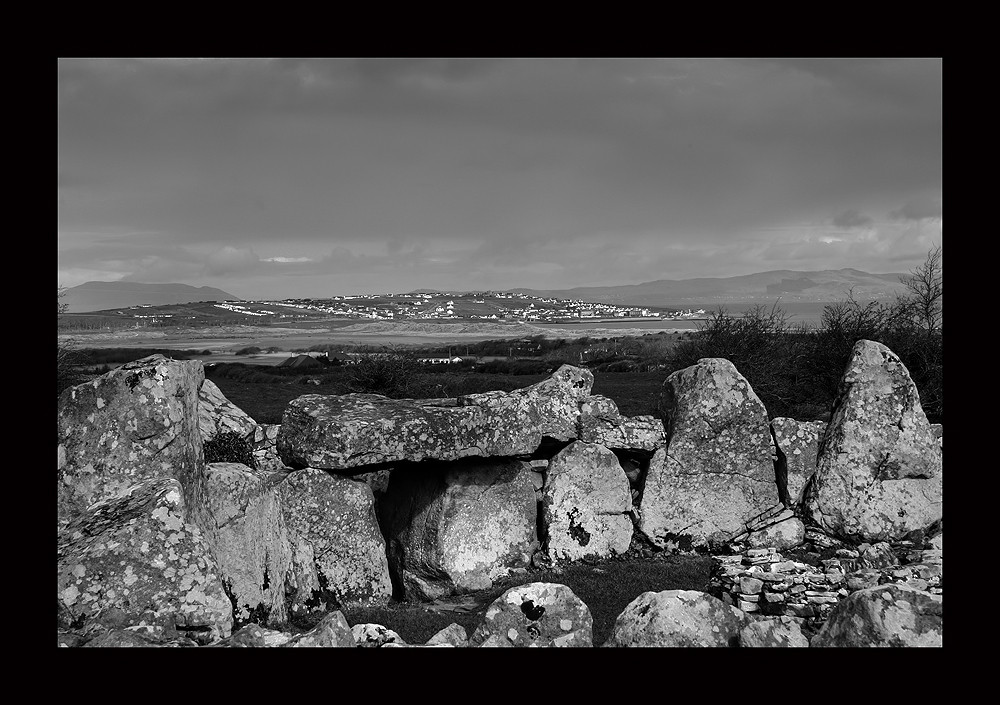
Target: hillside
(790,285)
(102,296)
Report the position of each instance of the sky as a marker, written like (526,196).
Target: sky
(308,178)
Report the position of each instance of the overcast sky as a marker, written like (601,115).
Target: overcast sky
(309,178)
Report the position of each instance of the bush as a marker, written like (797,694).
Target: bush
(229,447)
(251,350)
(387,373)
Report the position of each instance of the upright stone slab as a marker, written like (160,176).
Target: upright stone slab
(797,445)
(457,527)
(585,503)
(135,555)
(716,472)
(138,422)
(354,430)
(335,518)
(250,540)
(879,471)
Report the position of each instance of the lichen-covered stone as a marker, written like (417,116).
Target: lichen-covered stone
(773,632)
(536,615)
(677,618)
(374,636)
(457,527)
(885,615)
(332,631)
(879,470)
(248,535)
(136,554)
(603,424)
(216,414)
(782,535)
(716,472)
(797,443)
(352,430)
(335,518)
(138,422)
(585,503)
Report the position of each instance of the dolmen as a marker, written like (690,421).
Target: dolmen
(358,499)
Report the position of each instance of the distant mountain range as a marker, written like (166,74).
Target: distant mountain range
(822,286)
(102,296)
(764,287)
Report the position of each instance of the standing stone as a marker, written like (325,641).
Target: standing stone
(335,518)
(884,615)
(586,500)
(456,527)
(249,538)
(536,614)
(135,556)
(677,618)
(797,445)
(138,422)
(879,471)
(716,472)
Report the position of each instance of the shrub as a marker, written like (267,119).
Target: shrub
(388,373)
(250,350)
(229,447)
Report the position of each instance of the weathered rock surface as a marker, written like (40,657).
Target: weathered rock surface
(536,614)
(677,618)
(774,632)
(374,636)
(135,556)
(138,422)
(586,500)
(334,517)
(885,615)
(248,535)
(717,471)
(263,444)
(456,527)
(603,424)
(797,447)
(878,474)
(216,414)
(352,430)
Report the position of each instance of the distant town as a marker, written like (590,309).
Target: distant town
(475,306)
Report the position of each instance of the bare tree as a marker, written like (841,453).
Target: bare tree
(926,290)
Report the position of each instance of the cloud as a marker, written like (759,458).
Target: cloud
(851,219)
(918,209)
(231,259)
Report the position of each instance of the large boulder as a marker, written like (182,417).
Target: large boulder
(716,472)
(138,422)
(884,615)
(136,558)
(603,424)
(352,430)
(536,614)
(457,527)
(773,632)
(585,503)
(332,518)
(879,470)
(678,618)
(797,447)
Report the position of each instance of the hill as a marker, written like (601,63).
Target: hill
(763,287)
(102,296)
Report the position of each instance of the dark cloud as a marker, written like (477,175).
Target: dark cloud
(851,219)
